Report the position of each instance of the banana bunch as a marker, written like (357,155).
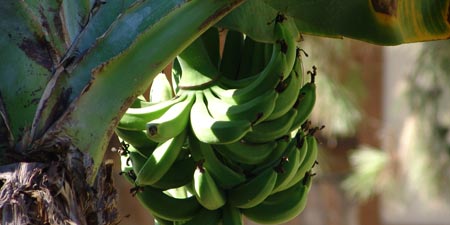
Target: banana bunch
(228,138)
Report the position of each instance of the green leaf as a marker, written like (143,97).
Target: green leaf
(383,22)
(25,67)
(65,85)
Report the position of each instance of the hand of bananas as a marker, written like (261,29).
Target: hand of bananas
(230,142)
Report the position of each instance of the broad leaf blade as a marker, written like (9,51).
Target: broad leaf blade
(383,22)
(25,67)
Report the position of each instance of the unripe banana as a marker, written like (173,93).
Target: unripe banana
(254,191)
(232,53)
(160,161)
(305,104)
(205,189)
(172,122)
(205,217)
(277,69)
(288,166)
(247,153)
(162,205)
(270,130)
(212,131)
(288,89)
(179,174)
(223,175)
(161,90)
(282,206)
(255,110)
(137,139)
(137,118)
(231,215)
(308,162)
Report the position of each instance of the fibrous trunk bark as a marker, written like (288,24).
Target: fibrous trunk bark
(57,192)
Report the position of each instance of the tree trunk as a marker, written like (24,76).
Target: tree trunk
(57,192)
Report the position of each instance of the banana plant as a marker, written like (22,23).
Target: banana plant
(70,69)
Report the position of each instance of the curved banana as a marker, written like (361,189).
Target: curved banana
(137,139)
(160,161)
(162,205)
(231,215)
(254,191)
(161,90)
(179,174)
(277,69)
(270,130)
(172,122)
(282,206)
(205,189)
(137,118)
(288,166)
(288,89)
(305,104)
(276,155)
(308,162)
(212,131)
(223,175)
(231,56)
(205,217)
(160,221)
(247,153)
(252,58)
(255,110)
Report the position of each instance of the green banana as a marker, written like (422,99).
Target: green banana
(308,162)
(198,71)
(277,69)
(179,174)
(224,176)
(231,56)
(231,215)
(176,75)
(289,89)
(270,130)
(252,59)
(288,166)
(211,41)
(288,32)
(255,110)
(254,191)
(172,122)
(137,118)
(274,158)
(137,139)
(159,221)
(247,153)
(161,90)
(160,161)
(137,160)
(140,102)
(205,189)
(224,81)
(282,206)
(163,206)
(205,217)
(305,104)
(213,131)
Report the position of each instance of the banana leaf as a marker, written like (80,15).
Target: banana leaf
(382,22)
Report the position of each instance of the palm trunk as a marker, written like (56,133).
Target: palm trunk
(57,192)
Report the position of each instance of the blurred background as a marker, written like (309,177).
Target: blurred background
(384,153)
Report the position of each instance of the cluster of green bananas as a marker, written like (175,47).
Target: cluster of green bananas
(228,138)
